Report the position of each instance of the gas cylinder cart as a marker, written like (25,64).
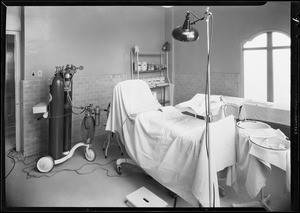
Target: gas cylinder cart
(59,111)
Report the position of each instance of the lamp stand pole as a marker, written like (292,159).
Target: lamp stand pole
(208,116)
(186,33)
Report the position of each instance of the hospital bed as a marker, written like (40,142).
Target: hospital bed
(169,145)
(254,158)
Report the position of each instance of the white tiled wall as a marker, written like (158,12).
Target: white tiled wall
(97,90)
(187,85)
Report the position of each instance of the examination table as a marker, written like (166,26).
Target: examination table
(170,146)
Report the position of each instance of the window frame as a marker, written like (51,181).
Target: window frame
(269,48)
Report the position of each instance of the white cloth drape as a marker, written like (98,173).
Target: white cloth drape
(266,111)
(255,161)
(169,145)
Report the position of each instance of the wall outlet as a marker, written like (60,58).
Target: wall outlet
(40,72)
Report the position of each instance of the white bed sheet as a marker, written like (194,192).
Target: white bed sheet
(170,146)
(221,106)
(266,111)
(234,105)
(196,105)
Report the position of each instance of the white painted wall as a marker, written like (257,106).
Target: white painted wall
(96,37)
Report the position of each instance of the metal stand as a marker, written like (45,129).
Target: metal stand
(187,33)
(46,163)
(109,136)
(261,203)
(208,115)
(107,143)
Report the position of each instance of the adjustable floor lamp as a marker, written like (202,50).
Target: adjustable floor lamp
(186,33)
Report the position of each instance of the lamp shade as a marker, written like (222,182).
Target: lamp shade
(186,32)
(181,34)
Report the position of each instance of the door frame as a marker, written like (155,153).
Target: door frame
(17,74)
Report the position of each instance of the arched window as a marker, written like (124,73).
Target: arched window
(267,68)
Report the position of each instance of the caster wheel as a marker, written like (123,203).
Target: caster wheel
(119,171)
(45,164)
(90,154)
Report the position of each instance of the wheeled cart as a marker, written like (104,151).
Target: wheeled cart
(59,111)
(46,164)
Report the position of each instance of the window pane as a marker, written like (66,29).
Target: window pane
(281,69)
(280,39)
(255,74)
(258,41)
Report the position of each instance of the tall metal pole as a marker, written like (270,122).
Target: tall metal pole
(186,33)
(208,116)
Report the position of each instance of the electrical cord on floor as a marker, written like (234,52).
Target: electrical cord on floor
(13,161)
(77,171)
(12,154)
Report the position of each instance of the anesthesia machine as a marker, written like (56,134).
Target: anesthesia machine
(59,112)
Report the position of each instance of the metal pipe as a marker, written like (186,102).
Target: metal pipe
(208,116)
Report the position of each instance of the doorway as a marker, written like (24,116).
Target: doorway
(10,83)
(12,91)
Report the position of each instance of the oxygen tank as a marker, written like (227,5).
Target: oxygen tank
(68,114)
(56,117)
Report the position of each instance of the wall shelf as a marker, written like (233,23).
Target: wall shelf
(159,81)
(160,85)
(149,71)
